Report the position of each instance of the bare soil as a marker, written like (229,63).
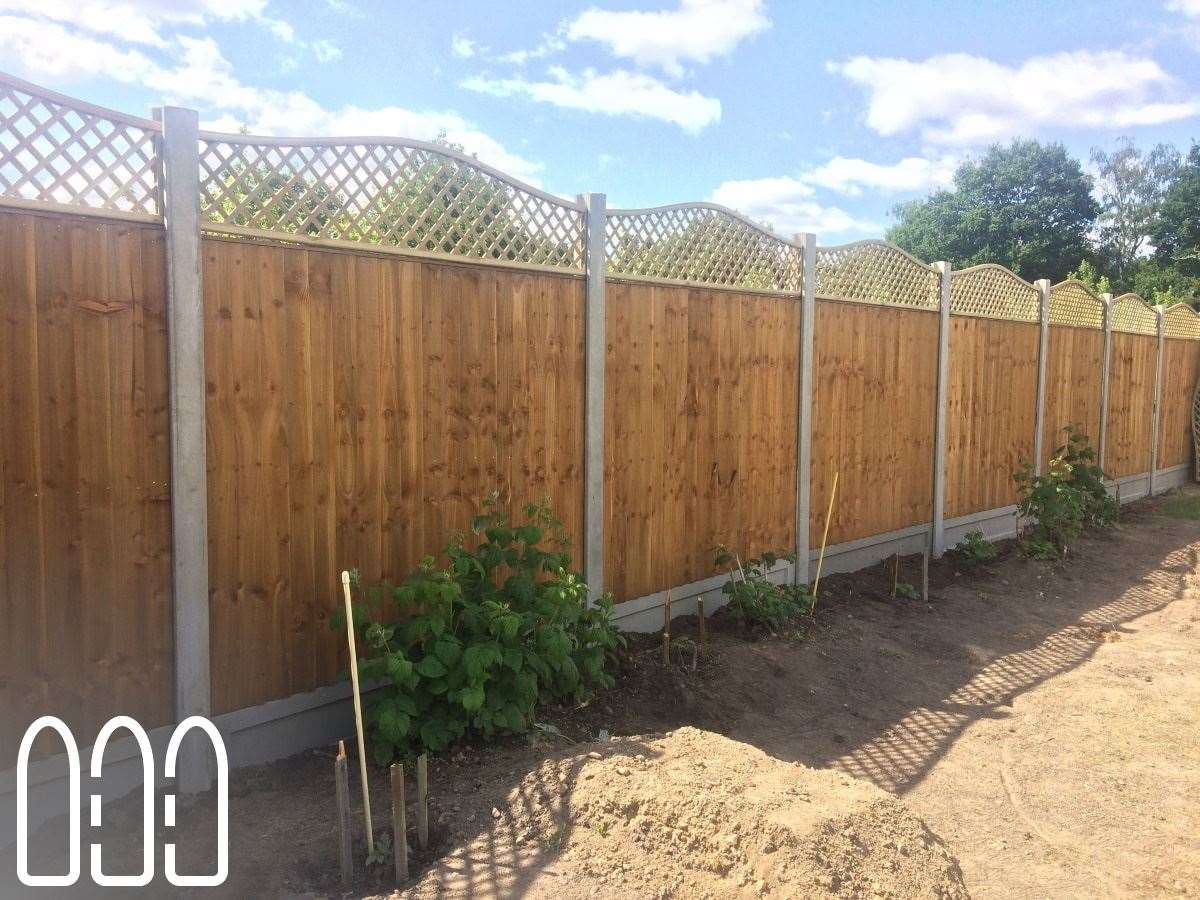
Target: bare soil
(1037,722)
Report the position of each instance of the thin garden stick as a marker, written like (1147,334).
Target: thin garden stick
(341,780)
(358,722)
(423,801)
(895,573)
(925,568)
(666,640)
(703,625)
(399,825)
(825,537)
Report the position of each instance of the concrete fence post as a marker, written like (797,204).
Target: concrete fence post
(939,411)
(180,157)
(1102,444)
(1154,407)
(804,404)
(595,353)
(1043,287)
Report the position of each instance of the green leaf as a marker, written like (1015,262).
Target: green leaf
(431,667)
(472,697)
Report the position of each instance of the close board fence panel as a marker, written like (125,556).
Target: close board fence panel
(360,408)
(1074,365)
(1180,368)
(1133,354)
(991,405)
(700,430)
(873,417)
(85,559)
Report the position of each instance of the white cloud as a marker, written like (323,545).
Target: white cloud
(616,93)
(142,21)
(848,175)
(200,74)
(695,31)
(462,46)
(785,204)
(325,51)
(964,100)
(1189,8)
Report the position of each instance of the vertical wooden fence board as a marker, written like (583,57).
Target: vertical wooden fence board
(701,439)
(990,410)
(1074,364)
(1130,399)
(84,503)
(360,408)
(876,380)
(1181,371)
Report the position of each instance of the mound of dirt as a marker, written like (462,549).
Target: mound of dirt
(694,814)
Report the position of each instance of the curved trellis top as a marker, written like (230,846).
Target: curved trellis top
(395,193)
(993,292)
(57,150)
(1131,315)
(875,272)
(1073,303)
(1181,321)
(700,243)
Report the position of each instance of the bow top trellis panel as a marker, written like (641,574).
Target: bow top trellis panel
(58,152)
(391,193)
(1181,321)
(700,243)
(1074,304)
(876,272)
(991,291)
(1131,315)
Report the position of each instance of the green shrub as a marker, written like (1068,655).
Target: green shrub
(1069,497)
(476,648)
(756,600)
(975,548)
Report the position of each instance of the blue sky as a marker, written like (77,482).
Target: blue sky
(808,116)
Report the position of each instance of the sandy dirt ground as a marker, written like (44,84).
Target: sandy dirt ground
(1041,719)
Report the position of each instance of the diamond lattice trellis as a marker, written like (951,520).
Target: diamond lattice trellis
(875,272)
(53,150)
(992,291)
(407,196)
(1131,315)
(1181,321)
(1072,303)
(700,244)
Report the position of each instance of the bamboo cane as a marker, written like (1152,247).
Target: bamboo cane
(666,635)
(358,721)
(825,537)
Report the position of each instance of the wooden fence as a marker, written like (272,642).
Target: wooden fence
(362,395)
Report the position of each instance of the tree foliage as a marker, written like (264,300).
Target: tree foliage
(1131,185)
(1028,206)
(1176,230)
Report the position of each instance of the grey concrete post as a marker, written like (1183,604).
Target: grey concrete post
(804,405)
(1043,286)
(939,422)
(1158,311)
(1104,367)
(189,486)
(595,354)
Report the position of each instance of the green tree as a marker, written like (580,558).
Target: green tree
(1028,206)
(1130,186)
(1176,230)
(1087,273)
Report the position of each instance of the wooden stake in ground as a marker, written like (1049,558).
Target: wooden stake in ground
(423,801)
(399,825)
(341,780)
(895,573)
(700,618)
(358,721)
(825,537)
(666,639)
(925,569)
